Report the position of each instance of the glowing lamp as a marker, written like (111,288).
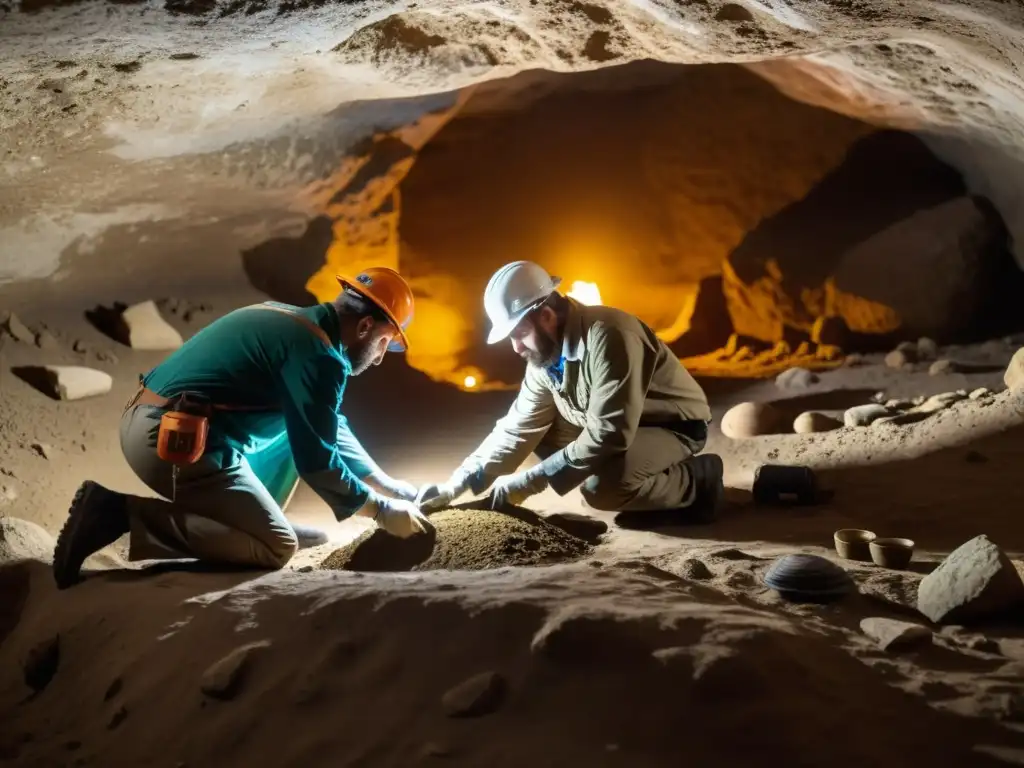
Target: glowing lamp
(585,293)
(469,382)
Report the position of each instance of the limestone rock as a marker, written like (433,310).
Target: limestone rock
(854,360)
(940,402)
(796,378)
(1013,378)
(977,581)
(813,421)
(942,367)
(141,326)
(75,382)
(751,420)
(898,405)
(223,678)
(979,393)
(927,349)
(863,415)
(479,695)
(580,526)
(891,634)
(24,540)
(937,270)
(18,330)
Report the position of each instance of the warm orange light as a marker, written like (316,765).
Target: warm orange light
(585,293)
(469,382)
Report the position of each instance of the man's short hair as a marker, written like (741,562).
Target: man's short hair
(352,303)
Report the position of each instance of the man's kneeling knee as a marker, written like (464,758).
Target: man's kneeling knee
(605,494)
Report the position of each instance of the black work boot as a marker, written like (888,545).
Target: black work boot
(706,472)
(308,536)
(98,517)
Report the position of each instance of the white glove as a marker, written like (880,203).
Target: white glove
(515,489)
(397,488)
(440,495)
(396,516)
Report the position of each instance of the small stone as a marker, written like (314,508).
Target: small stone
(979,393)
(927,349)
(41,663)
(105,356)
(908,347)
(854,359)
(751,420)
(898,405)
(305,569)
(796,378)
(18,330)
(222,679)
(580,526)
(977,581)
(43,449)
(863,415)
(8,492)
(74,382)
(695,570)
(46,340)
(80,346)
(898,359)
(940,402)
(479,695)
(811,422)
(918,400)
(141,326)
(879,397)
(891,634)
(1013,378)
(942,368)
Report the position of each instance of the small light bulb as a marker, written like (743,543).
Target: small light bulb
(470,382)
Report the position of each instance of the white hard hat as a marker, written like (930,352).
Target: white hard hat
(512,292)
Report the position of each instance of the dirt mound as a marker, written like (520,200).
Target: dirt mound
(462,540)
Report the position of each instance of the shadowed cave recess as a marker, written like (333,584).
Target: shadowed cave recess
(752,231)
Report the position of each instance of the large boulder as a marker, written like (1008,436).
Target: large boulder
(931,274)
(977,581)
(779,275)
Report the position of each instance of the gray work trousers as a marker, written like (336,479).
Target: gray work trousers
(217,511)
(651,475)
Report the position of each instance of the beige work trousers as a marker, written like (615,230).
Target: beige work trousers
(651,475)
(217,511)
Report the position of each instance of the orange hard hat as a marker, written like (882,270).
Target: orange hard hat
(391,293)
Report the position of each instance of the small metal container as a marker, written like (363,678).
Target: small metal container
(785,484)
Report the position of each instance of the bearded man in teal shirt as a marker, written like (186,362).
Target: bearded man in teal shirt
(271,378)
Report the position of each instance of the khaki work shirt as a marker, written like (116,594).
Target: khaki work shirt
(617,375)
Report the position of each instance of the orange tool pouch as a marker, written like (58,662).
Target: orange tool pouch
(183,432)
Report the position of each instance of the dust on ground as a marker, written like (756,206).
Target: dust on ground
(461,539)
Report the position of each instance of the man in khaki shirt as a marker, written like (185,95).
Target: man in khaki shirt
(604,404)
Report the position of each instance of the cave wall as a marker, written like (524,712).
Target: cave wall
(643,190)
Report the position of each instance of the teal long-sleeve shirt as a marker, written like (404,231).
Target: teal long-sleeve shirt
(256,357)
